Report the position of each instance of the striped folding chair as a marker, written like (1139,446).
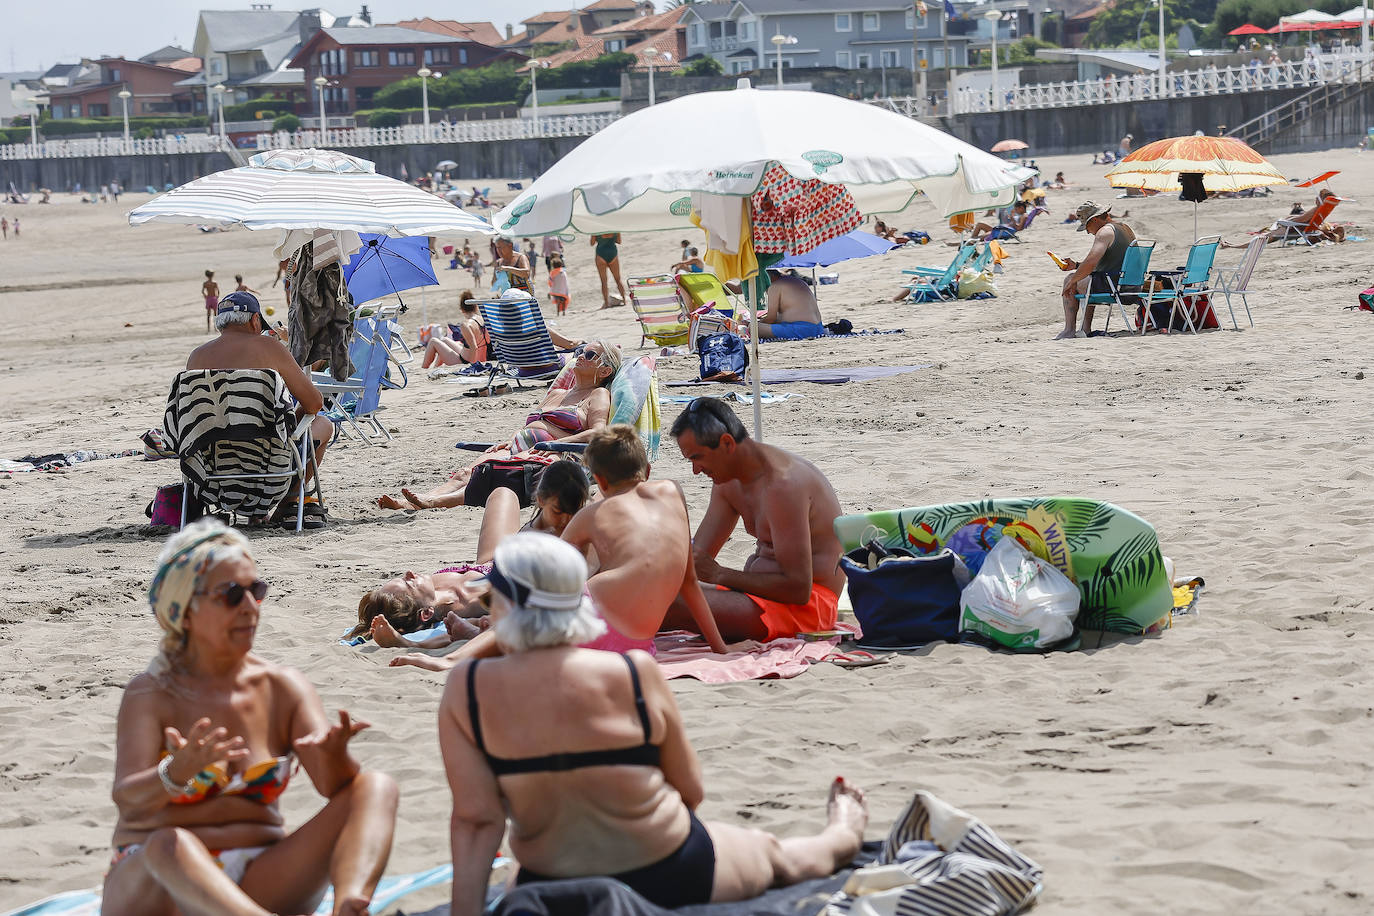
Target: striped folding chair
(658,305)
(241,448)
(520,347)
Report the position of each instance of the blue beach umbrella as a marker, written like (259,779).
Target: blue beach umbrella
(387,265)
(847,247)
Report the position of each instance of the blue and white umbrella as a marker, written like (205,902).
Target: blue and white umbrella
(309,189)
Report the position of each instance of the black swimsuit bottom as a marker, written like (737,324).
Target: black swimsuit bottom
(683,877)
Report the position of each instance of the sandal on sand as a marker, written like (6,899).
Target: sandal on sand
(313,518)
(855,658)
(487,391)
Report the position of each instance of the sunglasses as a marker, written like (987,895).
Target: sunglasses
(588,354)
(231,595)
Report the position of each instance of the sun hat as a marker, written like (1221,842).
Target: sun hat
(238,302)
(1086,211)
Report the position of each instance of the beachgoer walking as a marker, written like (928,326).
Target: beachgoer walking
(608,259)
(16,227)
(558,284)
(210,291)
(206,741)
(1098,270)
(532,257)
(791,583)
(5,227)
(552,245)
(617,780)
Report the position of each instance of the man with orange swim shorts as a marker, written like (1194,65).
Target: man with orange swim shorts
(792,581)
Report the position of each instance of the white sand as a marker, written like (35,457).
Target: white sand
(1223,767)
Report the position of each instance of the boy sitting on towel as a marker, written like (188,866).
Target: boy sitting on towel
(639,539)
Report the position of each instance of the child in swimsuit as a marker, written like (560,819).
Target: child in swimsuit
(210,290)
(558,283)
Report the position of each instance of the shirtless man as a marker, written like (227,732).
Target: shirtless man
(791,312)
(792,582)
(639,537)
(241,344)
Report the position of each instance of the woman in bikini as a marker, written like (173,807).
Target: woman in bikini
(471,347)
(597,777)
(207,739)
(565,415)
(414,601)
(608,259)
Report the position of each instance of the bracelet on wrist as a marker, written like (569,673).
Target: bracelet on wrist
(173,788)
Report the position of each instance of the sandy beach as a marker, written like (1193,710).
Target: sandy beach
(1222,766)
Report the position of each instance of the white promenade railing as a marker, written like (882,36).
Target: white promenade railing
(1209,81)
(443,132)
(115,146)
(403,135)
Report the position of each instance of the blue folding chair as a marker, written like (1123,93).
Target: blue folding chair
(520,347)
(359,396)
(1192,280)
(941,284)
(1130,282)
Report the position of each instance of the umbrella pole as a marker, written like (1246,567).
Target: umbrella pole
(815,287)
(424,312)
(753,287)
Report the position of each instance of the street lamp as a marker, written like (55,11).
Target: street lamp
(1163,59)
(535,67)
(124,96)
(993,17)
(778,41)
(651,58)
(424,73)
(219,99)
(320,83)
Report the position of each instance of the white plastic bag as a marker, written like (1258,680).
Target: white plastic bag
(1019,600)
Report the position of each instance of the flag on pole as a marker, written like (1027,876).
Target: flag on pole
(949,11)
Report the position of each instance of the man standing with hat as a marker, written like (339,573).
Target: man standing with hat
(1103,260)
(244,342)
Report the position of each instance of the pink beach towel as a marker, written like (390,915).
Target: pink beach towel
(683,654)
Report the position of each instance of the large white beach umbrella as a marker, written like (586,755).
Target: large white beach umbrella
(1310,16)
(650,169)
(306,190)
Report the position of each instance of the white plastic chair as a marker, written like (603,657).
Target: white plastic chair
(1234,281)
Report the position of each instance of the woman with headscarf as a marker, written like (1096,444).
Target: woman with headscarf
(208,738)
(593,769)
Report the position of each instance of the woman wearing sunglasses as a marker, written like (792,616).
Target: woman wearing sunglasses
(566,414)
(594,769)
(208,738)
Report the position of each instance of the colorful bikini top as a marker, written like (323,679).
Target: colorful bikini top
(645,754)
(263,782)
(568,419)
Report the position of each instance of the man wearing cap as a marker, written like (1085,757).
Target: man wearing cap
(243,344)
(1103,260)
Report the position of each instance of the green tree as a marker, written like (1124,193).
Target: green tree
(702,66)
(287,122)
(602,71)
(1023,51)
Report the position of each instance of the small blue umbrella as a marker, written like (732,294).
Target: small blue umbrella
(847,247)
(386,265)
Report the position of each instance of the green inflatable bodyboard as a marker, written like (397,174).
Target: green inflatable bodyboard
(1112,555)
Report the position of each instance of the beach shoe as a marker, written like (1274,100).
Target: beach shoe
(487,391)
(313,518)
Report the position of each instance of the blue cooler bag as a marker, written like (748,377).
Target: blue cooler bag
(905,601)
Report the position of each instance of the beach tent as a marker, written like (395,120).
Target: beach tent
(787,144)
(1225,164)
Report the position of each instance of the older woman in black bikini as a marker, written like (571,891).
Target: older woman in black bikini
(206,741)
(594,772)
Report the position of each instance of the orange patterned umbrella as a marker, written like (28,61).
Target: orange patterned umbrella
(1226,164)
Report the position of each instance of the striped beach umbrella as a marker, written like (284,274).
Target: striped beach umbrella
(309,189)
(1225,164)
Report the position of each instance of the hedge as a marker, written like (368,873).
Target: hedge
(270,106)
(67,126)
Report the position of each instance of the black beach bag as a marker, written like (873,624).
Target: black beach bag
(902,600)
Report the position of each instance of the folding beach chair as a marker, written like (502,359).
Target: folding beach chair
(706,289)
(657,302)
(940,284)
(1235,281)
(240,446)
(359,396)
(1309,233)
(1130,282)
(1190,282)
(1006,233)
(519,347)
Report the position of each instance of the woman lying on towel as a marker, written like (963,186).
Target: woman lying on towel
(596,777)
(565,415)
(207,739)
(413,602)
